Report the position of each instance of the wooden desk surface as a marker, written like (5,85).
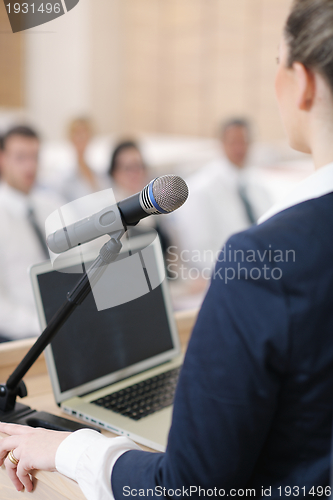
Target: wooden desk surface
(52,485)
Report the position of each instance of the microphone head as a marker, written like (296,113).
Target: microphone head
(170,192)
(163,195)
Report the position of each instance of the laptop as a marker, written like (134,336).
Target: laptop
(115,368)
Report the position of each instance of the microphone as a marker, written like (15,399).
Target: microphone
(161,196)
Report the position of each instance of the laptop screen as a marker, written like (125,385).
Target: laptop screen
(106,345)
(92,343)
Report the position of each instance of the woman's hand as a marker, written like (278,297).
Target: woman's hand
(33,448)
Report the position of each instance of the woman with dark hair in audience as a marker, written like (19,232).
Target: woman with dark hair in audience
(129,174)
(127,169)
(253,406)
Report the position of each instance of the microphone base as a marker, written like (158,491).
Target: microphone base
(18,411)
(24,415)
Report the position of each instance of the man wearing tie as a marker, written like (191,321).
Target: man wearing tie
(226,198)
(23,210)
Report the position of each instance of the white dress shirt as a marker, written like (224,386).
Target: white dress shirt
(89,458)
(20,249)
(316,185)
(215,210)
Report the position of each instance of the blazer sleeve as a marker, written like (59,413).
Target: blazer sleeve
(229,384)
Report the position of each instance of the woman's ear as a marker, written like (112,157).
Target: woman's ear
(306,86)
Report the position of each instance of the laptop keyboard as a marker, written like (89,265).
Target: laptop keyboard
(144,398)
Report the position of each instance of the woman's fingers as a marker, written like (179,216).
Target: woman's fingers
(23,476)
(18,473)
(12,473)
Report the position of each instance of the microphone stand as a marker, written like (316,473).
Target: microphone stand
(10,410)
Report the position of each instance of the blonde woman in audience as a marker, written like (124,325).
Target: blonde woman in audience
(83,180)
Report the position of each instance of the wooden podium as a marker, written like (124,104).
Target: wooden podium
(52,485)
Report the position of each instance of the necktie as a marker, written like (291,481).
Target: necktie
(38,232)
(247,204)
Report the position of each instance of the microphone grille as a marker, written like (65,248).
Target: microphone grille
(170,192)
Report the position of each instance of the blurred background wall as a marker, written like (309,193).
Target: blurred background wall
(146,66)
(12,78)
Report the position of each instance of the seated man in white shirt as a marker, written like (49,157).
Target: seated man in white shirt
(225,197)
(23,211)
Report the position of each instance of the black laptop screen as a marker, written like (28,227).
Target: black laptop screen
(95,343)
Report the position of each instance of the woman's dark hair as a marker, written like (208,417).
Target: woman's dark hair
(309,35)
(122,146)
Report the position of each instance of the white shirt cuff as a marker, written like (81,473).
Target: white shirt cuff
(89,457)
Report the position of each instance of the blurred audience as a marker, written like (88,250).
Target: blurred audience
(83,180)
(225,197)
(129,174)
(23,211)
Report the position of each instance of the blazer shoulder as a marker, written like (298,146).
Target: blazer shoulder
(305,214)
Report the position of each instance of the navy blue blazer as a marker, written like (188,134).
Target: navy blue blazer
(253,406)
